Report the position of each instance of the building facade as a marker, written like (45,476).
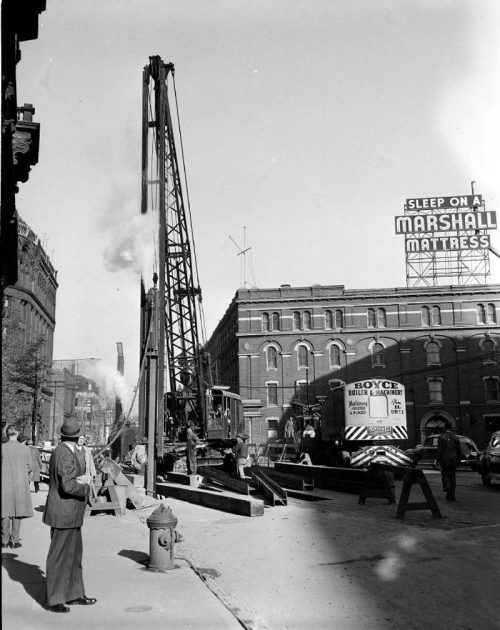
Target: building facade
(95,410)
(30,305)
(20,134)
(282,349)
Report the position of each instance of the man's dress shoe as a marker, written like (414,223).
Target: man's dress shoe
(59,608)
(84,601)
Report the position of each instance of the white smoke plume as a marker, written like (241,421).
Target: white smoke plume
(111,384)
(134,245)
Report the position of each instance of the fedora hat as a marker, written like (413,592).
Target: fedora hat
(71,428)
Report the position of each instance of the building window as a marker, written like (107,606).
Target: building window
(302,392)
(307,320)
(491,389)
(488,350)
(302,357)
(339,319)
(378,355)
(265,322)
(381,318)
(334,356)
(328,319)
(435,386)
(275,321)
(491,315)
(272,428)
(481,314)
(436,316)
(433,353)
(272,358)
(335,383)
(370,316)
(426,316)
(272,394)
(297,321)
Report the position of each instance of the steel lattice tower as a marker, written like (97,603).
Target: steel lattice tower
(177,299)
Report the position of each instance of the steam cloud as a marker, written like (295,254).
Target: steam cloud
(111,384)
(133,246)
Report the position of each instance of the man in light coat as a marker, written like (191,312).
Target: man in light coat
(68,491)
(16,495)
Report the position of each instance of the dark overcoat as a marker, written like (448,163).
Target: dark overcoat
(37,463)
(16,466)
(65,507)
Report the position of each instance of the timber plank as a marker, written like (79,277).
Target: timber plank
(225,479)
(328,477)
(245,506)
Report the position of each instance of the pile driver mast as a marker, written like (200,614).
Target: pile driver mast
(169,310)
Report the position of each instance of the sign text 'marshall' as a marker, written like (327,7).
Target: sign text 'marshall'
(446,222)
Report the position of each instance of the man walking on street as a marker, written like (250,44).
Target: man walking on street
(64,512)
(16,495)
(37,464)
(448,457)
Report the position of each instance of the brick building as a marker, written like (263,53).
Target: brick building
(30,304)
(282,349)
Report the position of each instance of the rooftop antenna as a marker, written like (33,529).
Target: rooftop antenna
(243,251)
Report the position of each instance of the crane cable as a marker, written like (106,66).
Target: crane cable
(188,205)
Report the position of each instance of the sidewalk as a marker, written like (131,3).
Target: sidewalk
(115,553)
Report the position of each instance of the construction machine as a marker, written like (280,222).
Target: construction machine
(175,387)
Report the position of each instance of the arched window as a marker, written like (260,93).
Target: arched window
(433,353)
(426,316)
(265,322)
(328,319)
(334,356)
(297,321)
(275,321)
(272,358)
(370,315)
(436,316)
(302,357)
(488,350)
(339,319)
(481,314)
(378,354)
(491,315)
(381,318)
(307,320)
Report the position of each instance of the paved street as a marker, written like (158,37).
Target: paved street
(328,563)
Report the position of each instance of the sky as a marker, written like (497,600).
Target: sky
(306,125)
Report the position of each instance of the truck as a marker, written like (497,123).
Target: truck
(364,422)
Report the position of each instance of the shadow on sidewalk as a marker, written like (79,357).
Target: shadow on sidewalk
(137,556)
(30,575)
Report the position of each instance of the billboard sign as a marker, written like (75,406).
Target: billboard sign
(445,224)
(378,405)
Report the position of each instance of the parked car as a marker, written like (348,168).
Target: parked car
(426,453)
(489,462)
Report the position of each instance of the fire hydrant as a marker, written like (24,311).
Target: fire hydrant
(162,539)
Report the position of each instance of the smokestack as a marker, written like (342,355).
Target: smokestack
(120,365)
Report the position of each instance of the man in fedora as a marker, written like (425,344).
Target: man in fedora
(68,491)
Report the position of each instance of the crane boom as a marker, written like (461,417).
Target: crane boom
(171,309)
